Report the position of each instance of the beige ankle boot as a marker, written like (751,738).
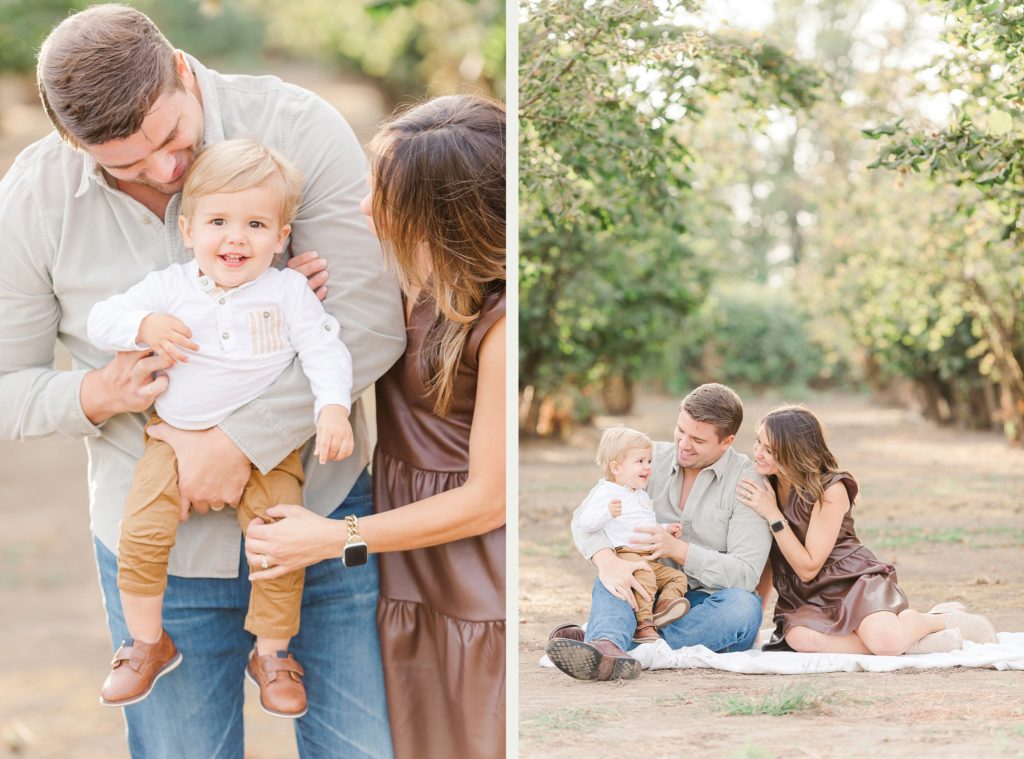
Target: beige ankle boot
(973,627)
(938,642)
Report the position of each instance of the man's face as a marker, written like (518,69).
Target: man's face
(697,443)
(160,153)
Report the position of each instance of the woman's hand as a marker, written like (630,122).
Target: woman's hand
(299,538)
(760,497)
(618,579)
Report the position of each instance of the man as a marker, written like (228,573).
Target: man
(722,549)
(88,212)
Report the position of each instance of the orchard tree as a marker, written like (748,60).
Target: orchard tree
(608,92)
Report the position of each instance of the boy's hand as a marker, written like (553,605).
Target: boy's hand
(333,434)
(164,333)
(675,529)
(615,507)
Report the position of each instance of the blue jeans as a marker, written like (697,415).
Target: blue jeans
(726,620)
(195,712)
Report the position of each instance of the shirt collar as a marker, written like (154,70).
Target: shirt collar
(718,467)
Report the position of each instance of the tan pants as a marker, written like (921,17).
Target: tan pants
(150,524)
(670,583)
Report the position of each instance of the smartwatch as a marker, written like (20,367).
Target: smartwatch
(779,525)
(355,552)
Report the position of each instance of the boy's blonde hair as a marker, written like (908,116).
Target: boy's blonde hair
(236,165)
(615,441)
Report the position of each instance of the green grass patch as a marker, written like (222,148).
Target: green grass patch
(788,700)
(569,719)
(902,537)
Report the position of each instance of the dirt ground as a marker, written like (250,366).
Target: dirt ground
(945,506)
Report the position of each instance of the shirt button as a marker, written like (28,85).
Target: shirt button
(266,314)
(146,220)
(327,327)
(221,301)
(225,335)
(204,281)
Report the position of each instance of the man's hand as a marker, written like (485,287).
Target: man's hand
(165,335)
(126,384)
(617,577)
(314,268)
(615,507)
(334,440)
(212,472)
(659,542)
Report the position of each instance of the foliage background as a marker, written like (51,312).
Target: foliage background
(706,201)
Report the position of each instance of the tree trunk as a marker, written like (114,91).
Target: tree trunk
(617,394)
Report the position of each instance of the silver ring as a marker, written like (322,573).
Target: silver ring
(265,562)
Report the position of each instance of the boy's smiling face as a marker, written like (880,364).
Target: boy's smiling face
(634,469)
(235,235)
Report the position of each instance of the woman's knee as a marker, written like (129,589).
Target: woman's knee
(803,639)
(883,635)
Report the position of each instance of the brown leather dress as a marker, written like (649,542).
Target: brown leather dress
(851,584)
(442,610)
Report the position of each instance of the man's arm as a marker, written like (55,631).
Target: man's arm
(363,296)
(39,400)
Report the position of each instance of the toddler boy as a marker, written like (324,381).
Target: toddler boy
(231,323)
(619,504)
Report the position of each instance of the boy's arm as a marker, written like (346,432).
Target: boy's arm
(323,356)
(362,295)
(113,324)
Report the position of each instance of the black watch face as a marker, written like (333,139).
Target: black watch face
(777,526)
(355,554)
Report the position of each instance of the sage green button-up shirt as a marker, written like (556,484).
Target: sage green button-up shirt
(728,541)
(70,239)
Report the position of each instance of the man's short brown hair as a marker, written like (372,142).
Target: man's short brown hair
(100,72)
(717,405)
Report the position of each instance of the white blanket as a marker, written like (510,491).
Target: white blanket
(1008,653)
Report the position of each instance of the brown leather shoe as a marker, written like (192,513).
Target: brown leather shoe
(569,631)
(136,668)
(668,611)
(596,660)
(646,632)
(279,679)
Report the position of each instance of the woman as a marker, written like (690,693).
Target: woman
(438,205)
(834,595)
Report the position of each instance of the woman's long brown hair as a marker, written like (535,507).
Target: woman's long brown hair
(797,441)
(439,210)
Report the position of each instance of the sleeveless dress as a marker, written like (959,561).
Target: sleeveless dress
(441,615)
(851,584)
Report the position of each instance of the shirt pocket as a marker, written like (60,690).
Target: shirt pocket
(266,330)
